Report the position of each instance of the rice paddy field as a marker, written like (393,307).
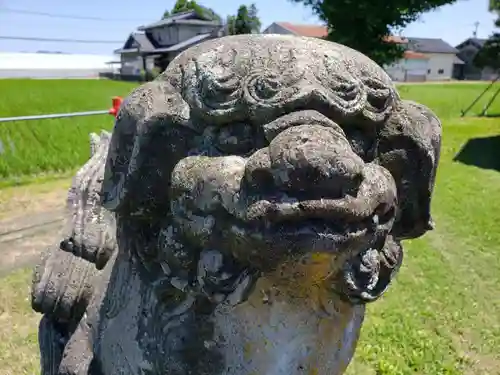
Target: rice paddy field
(38,147)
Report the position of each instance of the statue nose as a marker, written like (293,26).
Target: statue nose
(315,160)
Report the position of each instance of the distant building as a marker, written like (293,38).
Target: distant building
(467,51)
(158,43)
(442,57)
(425,59)
(313,31)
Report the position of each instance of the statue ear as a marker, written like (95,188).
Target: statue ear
(89,230)
(149,137)
(409,147)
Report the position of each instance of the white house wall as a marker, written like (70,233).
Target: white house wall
(407,69)
(52,65)
(437,62)
(421,69)
(417,66)
(132,64)
(396,70)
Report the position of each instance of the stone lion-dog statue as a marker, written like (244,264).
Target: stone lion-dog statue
(247,205)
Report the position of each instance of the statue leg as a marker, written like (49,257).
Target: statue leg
(51,342)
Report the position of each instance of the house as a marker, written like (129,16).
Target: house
(425,59)
(155,45)
(467,51)
(442,57)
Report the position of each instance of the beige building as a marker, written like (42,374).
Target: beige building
(425,59)
(442,57)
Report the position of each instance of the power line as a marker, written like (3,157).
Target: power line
(5,37)
(66,16)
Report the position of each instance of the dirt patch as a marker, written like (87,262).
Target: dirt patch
(30,199)
(31,218)
(24,249)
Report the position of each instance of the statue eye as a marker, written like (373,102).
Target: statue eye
(236,139)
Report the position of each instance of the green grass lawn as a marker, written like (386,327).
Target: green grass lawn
(442,313)
(37,147)
(18,327)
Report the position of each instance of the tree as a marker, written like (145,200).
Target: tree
(242,21)
(181,6)
(489,54)
(230,21)
(254,18)
(246,21)
(366,24)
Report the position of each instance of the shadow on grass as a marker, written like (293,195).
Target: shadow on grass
(481,152)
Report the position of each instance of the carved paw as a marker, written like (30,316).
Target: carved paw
(62,285)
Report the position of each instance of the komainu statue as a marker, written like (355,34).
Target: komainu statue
(248,204)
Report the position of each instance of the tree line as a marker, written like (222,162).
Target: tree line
(364,25)
(245,21)
(489,55)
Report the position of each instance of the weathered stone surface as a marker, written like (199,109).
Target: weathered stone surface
(259,189)
(63,284)
(90,232)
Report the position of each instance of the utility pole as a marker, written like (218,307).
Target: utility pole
(474,33)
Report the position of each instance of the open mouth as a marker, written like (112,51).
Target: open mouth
(355,230)
(347,214)
(322,225)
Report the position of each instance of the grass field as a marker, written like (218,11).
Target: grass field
(37,147)
(442,313)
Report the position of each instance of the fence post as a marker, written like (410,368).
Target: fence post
(117,102)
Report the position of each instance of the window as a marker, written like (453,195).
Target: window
(428,71)
(440,71)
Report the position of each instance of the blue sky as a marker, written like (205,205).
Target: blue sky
(452,23)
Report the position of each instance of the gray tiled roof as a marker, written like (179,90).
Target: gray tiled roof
(477,41)
(185,44)
(143,41)
(430,45)
(184,17)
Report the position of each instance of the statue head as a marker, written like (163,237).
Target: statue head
(269,148)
